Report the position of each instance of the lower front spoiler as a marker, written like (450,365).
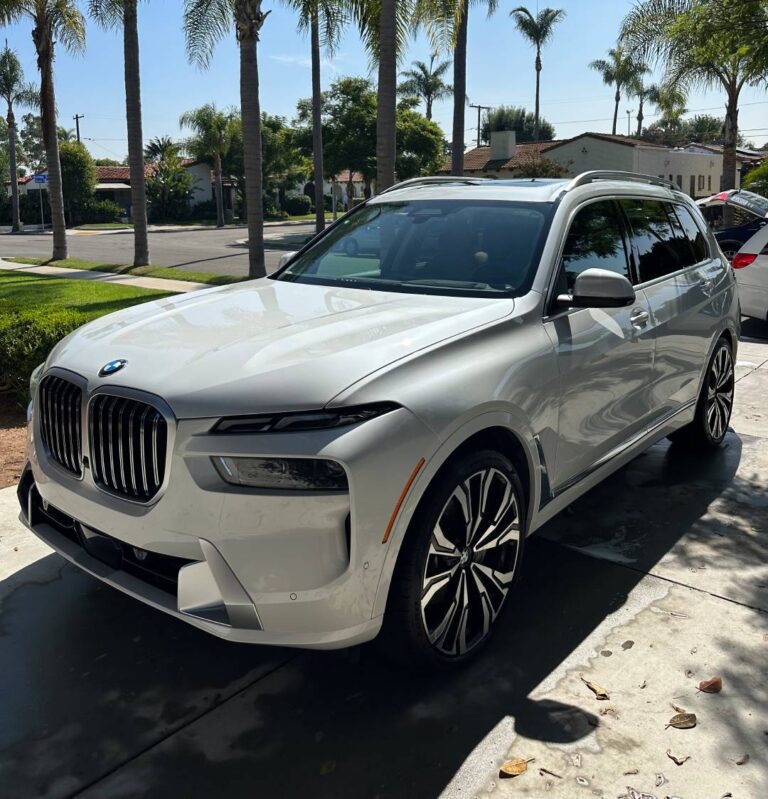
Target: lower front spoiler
(206,594)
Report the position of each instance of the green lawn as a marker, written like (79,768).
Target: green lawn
(105,226)
(166,272)
(20,293)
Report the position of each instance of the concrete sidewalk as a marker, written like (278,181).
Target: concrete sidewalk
(156,283)
(655,580)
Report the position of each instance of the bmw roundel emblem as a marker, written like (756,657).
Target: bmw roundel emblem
(112,367)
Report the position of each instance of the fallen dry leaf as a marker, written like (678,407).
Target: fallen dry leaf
(583,781)
(606,710)
(514,767)
(643,684)
(543,771)
(678,709)
(711,686)
(631,772)
(682,721)
(742,760)
(600,693)
(576,759)
(660,780)
(678,761)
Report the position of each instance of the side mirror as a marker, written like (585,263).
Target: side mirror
(285,258)
(599,288)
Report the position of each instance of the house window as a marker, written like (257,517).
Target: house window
(701,182)
(692,186)
(679,181)
(671,178)
(709,182)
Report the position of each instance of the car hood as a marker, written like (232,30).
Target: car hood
(265,345)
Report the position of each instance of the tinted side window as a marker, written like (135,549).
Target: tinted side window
(693,233)
(594,240)
(659,252)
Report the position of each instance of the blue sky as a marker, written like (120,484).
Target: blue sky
(500,71)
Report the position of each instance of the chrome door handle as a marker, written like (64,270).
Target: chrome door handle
(706,284)
(639,317)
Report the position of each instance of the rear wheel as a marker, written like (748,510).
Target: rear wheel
(458,563)
(730,248)
(715,403)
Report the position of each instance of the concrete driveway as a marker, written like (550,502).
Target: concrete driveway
(652,582)
(204,249)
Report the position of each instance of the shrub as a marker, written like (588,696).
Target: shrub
(29,208)
(204,210)
(26,338)
(298,205)
(271,211)
(95,211)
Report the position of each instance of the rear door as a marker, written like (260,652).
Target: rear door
(604,355)
(682,283)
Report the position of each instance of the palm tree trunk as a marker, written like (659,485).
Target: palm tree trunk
(15,220)
(135,134)
(317,123)
(616,110)
(386,135)
(251,113)
(429,107)
(44,47)
(728,178)
(218,190)
(640,117)
(538,89)
(459,92)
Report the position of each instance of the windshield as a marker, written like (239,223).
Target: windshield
(430,246)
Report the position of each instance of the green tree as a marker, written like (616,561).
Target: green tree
(325,20)
(205,23)
(108,162)
(538,30)
(425,81)
(419,145)
(757,179)
(123,14)
(169,189)
(621,70)
(158,148)
(65,134)
(16,92)
(60,22)
(78,178)
(212,137)
(285,164)
(518,119)
(707,45)
(32,152)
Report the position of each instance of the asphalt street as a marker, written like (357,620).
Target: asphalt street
(204,249)
(653,581)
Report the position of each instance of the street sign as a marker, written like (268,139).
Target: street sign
(42,178)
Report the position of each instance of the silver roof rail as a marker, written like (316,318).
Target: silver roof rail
(607,174)
(437,180)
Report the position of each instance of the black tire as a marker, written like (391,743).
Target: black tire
(482,574)
(715,403)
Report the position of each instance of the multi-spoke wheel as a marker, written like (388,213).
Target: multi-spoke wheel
(713,410)
(458,563)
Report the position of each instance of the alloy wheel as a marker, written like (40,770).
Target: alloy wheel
(471,562)
(720,384)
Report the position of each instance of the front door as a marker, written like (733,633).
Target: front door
(604,355)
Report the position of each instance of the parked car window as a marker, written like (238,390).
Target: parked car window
(430,246)
(659,251)
(693,233)
(595,239)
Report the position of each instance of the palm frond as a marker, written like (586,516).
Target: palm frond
(206,22)
(67,25)
(107,13)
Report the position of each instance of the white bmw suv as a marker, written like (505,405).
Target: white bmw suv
(361,442)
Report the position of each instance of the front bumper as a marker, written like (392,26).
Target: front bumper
(279,568)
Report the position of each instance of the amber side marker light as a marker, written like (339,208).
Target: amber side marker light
(742,259)
(401,499)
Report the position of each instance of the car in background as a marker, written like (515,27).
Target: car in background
(750,265)
(753,208)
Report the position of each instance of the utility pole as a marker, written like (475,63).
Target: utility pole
(77,118)
(629,130)
(480,109)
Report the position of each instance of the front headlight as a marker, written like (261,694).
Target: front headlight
(282,474)
(303,420)
(34,382)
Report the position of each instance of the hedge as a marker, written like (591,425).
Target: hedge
(298,205)
(97,211)
(26,338)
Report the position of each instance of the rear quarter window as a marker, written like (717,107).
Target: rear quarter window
(693,233)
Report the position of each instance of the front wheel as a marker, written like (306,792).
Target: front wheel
(715,403)
(458,563)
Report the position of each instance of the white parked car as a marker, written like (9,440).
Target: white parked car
(751,266)
(362,444)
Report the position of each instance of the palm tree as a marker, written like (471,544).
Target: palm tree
(15,91)
(538,30)
(65,134)
(621,70)
(124,14)
(62,22)
(325,20)
(205,23)
(426,82)
(158,148)
(213,133)
(704,45)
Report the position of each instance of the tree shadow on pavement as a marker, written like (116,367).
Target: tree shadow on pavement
(103,690)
